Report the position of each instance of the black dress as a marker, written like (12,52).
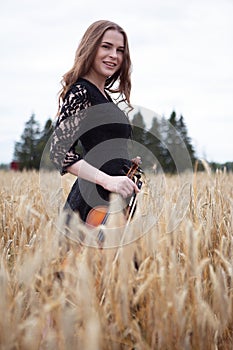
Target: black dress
(102,130)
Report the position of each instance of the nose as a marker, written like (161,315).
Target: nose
(113,53)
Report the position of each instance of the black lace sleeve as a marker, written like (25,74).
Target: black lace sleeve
(65,135)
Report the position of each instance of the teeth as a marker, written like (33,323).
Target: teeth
(110,64)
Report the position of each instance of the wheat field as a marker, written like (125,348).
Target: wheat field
(167,284)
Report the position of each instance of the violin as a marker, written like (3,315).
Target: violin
(99,215)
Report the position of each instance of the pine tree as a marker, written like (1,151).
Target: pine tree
(33,144)
(173,143)
(180,152)
(25,151)
(182,129)
(43,145)
(154,144)
(169,149)
(137,148)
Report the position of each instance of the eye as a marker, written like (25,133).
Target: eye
(105,46)
(121,50)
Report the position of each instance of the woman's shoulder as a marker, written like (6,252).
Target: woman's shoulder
(76,99)
(77,96)
(79,90)
(95,95)
(85,91)
(82,86)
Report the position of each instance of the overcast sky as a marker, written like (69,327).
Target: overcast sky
(181,50)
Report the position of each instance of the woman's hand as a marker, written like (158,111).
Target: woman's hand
(118,184)
(121,184)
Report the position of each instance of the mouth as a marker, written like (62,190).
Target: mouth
(110,64)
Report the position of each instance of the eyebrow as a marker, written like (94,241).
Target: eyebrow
(106,42)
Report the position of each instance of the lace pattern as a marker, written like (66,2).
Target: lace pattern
(65,135)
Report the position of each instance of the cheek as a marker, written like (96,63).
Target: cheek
(120,59)
(97,61)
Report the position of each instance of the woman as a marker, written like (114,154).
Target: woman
(88,115)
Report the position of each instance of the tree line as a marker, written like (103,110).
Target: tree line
(165,144)
(160,146)
(28,151)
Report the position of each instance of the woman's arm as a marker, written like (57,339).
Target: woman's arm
(118,184)
(67,129)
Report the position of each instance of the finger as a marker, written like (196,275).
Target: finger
(137,160)
(133,185)
(124,194)
(136,189)
(131,189)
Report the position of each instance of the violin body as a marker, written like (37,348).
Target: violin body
(99,215)
(96,216)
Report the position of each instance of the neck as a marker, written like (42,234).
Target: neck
(97,81)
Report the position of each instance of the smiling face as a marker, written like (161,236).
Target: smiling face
(109,56)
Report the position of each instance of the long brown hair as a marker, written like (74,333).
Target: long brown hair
(85,55)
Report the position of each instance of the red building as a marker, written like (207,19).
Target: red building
(14,165)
